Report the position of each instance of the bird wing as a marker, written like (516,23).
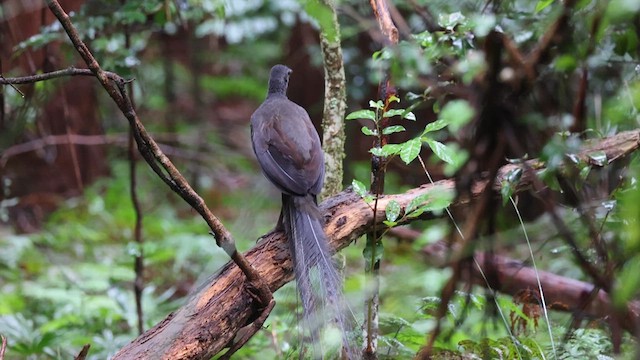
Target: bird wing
(288,147)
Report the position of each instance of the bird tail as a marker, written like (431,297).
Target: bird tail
(319,283)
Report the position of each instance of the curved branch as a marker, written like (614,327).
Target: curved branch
(218,309)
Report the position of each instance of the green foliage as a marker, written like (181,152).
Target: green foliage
(237,86)
(71,284)
(542,4)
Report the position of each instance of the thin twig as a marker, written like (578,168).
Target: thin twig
(70,71)
(3,80)
(3,347)
(83,353)
(378,169)
(138,262)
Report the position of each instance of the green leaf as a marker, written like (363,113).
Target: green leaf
(404,113)
(362,114)
(389,223)
(542,4)
(359,188)
(393,112)
(387,150)
(369,132)
(368,253)
(409,115)
(415,202)
(506,191)
(440,150)
(436,107)
(393,129)
(376,104)
(392,210)
(574,158)
(514,175)
(413,96)
(566,63)
(377,151)
(628,282)
(323,14)
(435,126)
(439,199)
(584,172)
(457,113)
(410,150)
(599,158)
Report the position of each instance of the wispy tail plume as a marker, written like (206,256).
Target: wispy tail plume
(319,283)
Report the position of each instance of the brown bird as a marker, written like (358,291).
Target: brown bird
(288,149)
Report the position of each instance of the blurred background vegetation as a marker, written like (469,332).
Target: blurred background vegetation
(200,69)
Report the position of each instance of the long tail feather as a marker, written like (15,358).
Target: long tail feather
(319,283)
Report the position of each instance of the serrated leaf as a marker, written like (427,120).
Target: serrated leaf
(365,130)
(359,188)
(393,129)
(362,114)
(392,210)
(435,126)
(410,150)
(440,150)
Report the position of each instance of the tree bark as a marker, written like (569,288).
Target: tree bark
(335,105)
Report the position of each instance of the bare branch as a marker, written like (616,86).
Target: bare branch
(3,347)
(83,353)
(70,71)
